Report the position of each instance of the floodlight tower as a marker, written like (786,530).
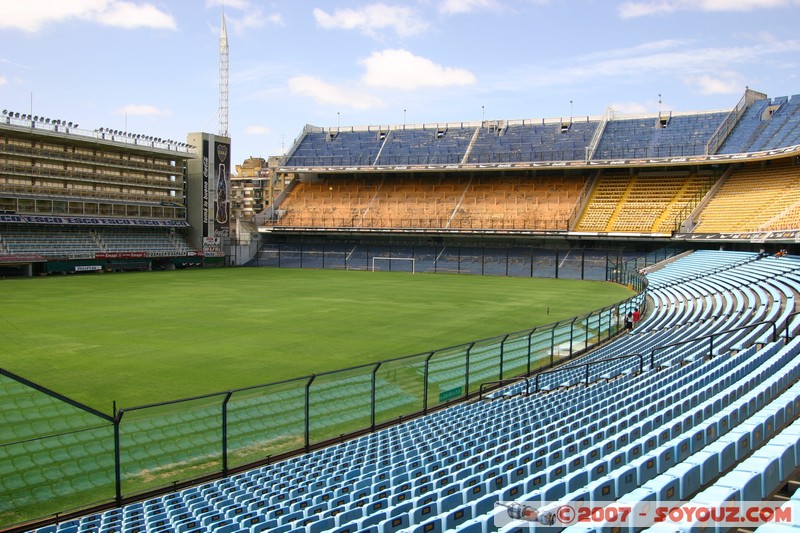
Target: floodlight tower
(223,78)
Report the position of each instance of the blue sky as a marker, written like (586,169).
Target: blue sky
(153,65)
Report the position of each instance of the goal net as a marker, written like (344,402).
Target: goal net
(393,263)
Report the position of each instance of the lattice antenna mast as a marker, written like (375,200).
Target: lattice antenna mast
(223,78)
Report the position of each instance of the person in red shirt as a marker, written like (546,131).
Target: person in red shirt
(636,317)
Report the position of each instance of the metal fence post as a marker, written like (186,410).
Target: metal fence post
(372,399)
(225,433)
(425,383)
(529,349)
(502,350)
(583,263)
(555,275)
(117,456)
(531,260)
(307,427)
(586,340)
(571,333)
(466,376)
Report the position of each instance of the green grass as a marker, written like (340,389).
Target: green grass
(148,337)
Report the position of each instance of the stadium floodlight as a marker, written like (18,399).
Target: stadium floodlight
(69,124)
(16,115)
(5,112)
(75,125)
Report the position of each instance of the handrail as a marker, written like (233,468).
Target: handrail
(788,323)
(598,133)
(731,120)
(711,336)
(504,382)
(588,365)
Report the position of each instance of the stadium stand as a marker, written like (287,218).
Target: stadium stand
(503,142)
(754,198)
(511,141)
(414,146)
(682,426)
(88,242)
(639,199)
(63,189)
(767,124)
(643,202)
(661,136)
(518,202)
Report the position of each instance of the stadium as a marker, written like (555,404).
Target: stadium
(698,213)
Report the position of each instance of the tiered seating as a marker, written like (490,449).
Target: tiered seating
(512,202)
(344,148)
(754,199)
(156,242)
(649,203)
(533,142)
(329,202)
(645,137)
(85,242)
(767,124)
(598,443)
(538,203)
(425,146)
(66,242)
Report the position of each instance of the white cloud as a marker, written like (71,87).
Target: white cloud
(143,110)
(129,15)
(252,20)
(373,19)
(455,7)
(235,4)
(659,58)
(727,83)
(33,15)
(257,130)
(329,94)
(643,8)
(3,81)
(400,69)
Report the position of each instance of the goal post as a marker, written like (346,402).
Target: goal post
(375,261)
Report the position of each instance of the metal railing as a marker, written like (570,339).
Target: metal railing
(588,365)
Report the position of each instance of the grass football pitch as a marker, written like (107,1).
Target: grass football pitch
(141,338)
